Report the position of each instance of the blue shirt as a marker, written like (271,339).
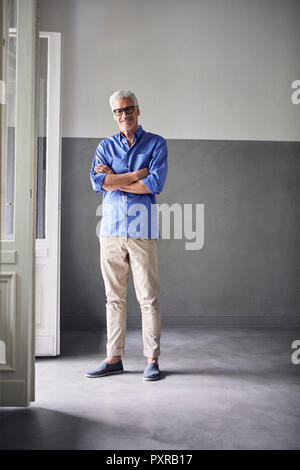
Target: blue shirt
(126,214)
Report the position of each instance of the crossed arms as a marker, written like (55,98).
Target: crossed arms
(149,180)
(128,182)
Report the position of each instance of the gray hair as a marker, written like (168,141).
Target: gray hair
(118,95)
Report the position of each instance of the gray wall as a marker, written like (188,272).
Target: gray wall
(214,78)
(202,69)
(248,270)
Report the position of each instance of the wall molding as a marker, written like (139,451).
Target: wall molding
(8,319)
(8,256)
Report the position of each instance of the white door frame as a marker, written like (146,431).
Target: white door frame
(47,320)
(17,257)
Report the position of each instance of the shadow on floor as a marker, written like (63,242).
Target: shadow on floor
(40,428)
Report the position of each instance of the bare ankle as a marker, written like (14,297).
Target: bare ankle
(152,359)
(112,359)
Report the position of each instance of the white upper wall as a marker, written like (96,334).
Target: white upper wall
(201,69)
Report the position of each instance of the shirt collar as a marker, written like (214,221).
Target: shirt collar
(137,134)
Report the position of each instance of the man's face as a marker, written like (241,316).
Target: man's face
(126,122)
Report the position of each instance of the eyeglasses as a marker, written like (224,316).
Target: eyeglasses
(128,110)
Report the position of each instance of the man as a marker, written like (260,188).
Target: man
(130,168)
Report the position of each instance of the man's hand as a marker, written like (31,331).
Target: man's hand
(142,173)
(138,187)
(103,169)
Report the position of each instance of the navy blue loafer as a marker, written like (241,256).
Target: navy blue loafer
(151,371)
(105,369)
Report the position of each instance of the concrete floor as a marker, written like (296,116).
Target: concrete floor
(221,389)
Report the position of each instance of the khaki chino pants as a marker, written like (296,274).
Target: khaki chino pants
(117,255)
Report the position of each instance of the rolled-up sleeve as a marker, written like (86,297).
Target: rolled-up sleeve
(158,168)
(97,179)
